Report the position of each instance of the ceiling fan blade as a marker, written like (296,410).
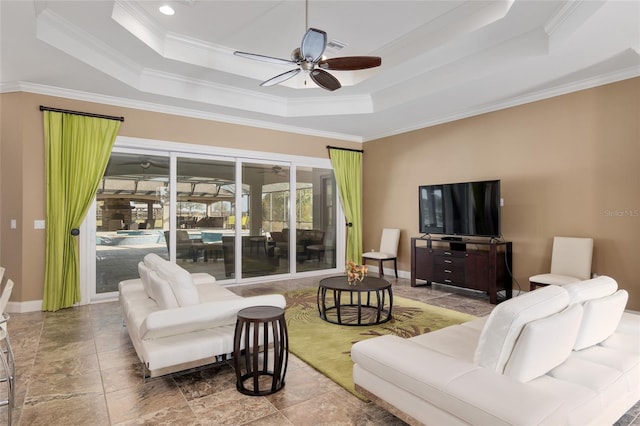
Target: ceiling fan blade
(313,44)
(264,58)
(280,78)
(325,80)
(350,63)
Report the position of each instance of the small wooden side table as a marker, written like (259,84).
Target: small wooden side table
(260,350)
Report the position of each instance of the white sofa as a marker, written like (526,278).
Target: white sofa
(177,320)
(565,355)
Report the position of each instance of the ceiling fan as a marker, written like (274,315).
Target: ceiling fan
(146,163)
(276,170)
(308,58)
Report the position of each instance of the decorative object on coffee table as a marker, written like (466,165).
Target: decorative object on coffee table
(349,301)
(355,272)
(260,350)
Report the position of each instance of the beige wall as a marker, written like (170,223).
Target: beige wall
(564,164)
(22,190)
(568,166)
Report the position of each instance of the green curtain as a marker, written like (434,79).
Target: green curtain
(77,149)
(347,168)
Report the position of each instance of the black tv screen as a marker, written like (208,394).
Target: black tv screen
(465,209)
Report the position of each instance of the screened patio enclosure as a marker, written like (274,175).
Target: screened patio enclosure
(233,218)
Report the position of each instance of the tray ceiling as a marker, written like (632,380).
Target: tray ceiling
(441,60)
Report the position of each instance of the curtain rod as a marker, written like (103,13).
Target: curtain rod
(344,149)
(85,114)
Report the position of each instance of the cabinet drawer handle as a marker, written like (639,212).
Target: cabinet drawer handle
(446,271)
(447,253)
(447,281)
(448,261)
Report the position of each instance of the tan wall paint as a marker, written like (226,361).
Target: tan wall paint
(564,163)
(22,195)
(567,166)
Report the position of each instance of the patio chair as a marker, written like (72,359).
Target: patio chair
(185,248)
(319,251)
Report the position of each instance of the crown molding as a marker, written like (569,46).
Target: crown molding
(166,109)
(630,72)
(589,83)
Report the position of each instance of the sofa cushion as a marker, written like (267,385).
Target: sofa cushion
(458,341)
(581,291)
(181,283)
(162,291)
(143,271)
(506,321)
(627,335)
(203,316)
(152,260)
(608,382)
(544,344)
(601,318)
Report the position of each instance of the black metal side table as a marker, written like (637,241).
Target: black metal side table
(260,350)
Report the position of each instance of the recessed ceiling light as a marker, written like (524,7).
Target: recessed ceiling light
(166,10)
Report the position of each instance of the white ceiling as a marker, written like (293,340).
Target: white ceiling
(441,60)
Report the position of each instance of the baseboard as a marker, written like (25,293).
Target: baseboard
(23,307)
(390,272)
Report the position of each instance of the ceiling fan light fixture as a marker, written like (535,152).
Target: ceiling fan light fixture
(335,45)
(166,10)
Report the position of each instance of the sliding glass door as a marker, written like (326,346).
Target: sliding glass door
(263,251)
(205,214)
(316,218)
(238,219)
(131,213)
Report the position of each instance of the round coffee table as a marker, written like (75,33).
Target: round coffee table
(376,303)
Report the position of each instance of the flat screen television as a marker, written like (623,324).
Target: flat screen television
(461,209)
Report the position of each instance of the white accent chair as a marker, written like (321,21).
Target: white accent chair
(388,250)
(570,262)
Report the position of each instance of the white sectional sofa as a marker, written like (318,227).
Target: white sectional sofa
(565,355)
(177,320)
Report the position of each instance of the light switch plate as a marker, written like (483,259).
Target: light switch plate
(38,224)
(14,224)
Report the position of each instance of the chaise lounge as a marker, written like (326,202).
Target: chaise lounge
(177,320)
(554,356)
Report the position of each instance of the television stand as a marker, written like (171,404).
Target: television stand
(477,265)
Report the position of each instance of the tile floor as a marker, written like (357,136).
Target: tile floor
(78,367)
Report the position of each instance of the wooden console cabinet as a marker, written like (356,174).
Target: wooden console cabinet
(478,265)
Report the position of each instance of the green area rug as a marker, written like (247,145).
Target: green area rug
(327,347)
